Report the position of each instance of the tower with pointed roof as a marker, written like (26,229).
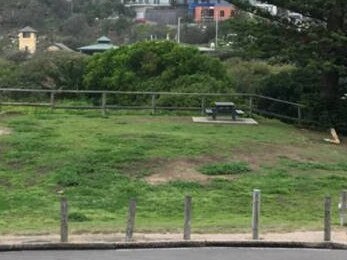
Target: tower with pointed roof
(27,39)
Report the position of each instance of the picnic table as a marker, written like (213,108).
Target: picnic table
(227,108)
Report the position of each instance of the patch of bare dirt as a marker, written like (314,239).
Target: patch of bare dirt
(184,169)
(4,131)
(178,169)
(266,154)
(255,154)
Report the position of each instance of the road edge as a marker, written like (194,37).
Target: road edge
(169,244)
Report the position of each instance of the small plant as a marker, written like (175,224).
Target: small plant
(225,168)
(78,217)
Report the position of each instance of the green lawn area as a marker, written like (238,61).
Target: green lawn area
(100,163)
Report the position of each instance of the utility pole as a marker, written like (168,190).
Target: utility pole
(70,6)
(217,18)
(179,30)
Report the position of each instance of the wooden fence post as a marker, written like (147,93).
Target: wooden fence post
(103,103)
(256,214)
(299,114)
(203,105)
(64,220)
(187,218)
(131,220)
(251,105)
(52,101)
(343,208)
(153,104)
(327,219)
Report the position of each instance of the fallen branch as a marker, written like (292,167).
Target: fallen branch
(335,138)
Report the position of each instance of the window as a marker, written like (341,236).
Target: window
(210,12)
(26,34)
(207,13)
(221,13)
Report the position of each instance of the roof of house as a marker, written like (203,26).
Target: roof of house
(104,39)
(28,29)
(61,46)
(103,43)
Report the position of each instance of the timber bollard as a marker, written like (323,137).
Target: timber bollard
(327,219)
(256,214)
(131,220)
(343,208)
(187,217)
(64,220)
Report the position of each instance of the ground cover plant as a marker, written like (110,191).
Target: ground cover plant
(99,163)
(225,168)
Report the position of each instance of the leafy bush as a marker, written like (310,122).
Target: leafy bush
(153,66)
(67,177)
(225,168)
(78,217)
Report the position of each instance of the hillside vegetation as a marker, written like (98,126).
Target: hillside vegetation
(100,163)
(74,22)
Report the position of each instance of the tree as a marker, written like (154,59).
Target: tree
(155,66)
(317,44)
(52,70)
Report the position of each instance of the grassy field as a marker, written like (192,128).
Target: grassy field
(100,163)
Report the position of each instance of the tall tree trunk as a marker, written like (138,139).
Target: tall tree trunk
(330,79)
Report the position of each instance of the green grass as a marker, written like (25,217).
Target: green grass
(100,163)
(225,168)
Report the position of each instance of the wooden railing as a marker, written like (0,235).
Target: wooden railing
(249,102)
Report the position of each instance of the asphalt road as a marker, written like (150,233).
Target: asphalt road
(177,253)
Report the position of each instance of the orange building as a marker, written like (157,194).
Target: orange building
(211,10)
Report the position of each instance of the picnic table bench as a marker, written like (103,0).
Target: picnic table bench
(226,108)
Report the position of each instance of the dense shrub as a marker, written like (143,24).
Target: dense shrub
(302,86)
(156,66)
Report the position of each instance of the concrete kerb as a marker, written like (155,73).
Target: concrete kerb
(176,244)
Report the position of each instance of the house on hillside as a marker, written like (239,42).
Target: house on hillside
(210,10)
(165,16)
(103,44)
(27,39)
(58,47)
(141,6)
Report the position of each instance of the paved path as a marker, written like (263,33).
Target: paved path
(338,236)
(186,253)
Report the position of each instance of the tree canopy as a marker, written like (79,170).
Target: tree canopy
(156,66)
(317,45)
